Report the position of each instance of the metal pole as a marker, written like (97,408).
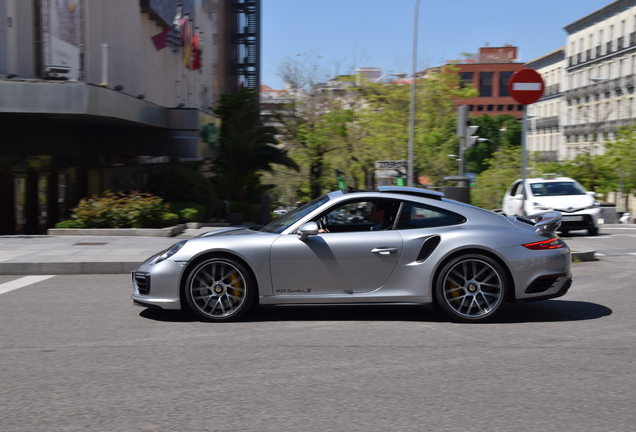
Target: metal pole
(412,116)
(524,161)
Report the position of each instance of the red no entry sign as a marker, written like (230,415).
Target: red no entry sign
(526,86)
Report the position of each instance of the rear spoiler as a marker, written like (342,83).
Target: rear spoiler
(548,221)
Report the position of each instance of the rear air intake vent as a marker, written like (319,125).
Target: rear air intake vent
(428,247)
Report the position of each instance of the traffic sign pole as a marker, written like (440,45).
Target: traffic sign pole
(524,159)
(526,87)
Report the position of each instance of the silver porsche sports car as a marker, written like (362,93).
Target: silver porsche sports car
(393,245)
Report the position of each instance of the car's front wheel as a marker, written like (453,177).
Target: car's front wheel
(472,288)
(219,289)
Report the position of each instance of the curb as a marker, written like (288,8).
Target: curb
(584,256)
(67,268)
(141,232)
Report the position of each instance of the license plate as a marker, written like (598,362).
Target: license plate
(571,218)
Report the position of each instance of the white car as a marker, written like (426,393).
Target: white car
(579,208)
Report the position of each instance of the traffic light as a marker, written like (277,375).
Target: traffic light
(471,138)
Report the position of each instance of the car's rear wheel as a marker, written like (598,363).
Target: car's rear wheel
(219,289)
(472,288)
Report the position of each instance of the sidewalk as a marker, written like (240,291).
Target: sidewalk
(54,255)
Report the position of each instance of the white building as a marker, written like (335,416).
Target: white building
(544,137)
(600,57)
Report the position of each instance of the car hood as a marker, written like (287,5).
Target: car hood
(566,203)
(229,231)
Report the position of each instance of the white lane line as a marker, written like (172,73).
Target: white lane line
(22,282)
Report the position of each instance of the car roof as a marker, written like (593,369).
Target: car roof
(425,193)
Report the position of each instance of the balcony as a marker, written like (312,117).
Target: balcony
(547,123)
(588,54)
(632,38)
(608,48)
(619,43)
(551,90)
(599,50)
(579,57)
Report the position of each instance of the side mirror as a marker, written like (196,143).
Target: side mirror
(309,229)
(518,196)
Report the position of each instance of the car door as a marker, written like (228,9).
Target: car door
(512,204)
(334,263)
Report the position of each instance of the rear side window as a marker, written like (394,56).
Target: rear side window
(415,215)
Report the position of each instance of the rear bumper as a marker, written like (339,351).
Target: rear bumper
(558,289)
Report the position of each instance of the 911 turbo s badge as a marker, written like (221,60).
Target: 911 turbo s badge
(293,291)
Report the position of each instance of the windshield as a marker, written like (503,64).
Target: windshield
(557,188)
(279,225)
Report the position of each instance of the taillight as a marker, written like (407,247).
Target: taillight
(553,243)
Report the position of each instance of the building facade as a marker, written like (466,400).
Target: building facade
(544,137)
(92,89)
(600,73)
(489,72)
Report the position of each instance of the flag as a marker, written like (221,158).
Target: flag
(174,36)
(196,53)
(161,40)
(187,43)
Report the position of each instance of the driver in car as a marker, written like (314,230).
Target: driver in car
(380,216)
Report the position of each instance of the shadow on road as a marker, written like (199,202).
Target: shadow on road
(552,311)
(544,311)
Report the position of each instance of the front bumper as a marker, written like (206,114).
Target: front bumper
(157,284)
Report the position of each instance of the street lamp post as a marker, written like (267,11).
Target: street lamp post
(412,116)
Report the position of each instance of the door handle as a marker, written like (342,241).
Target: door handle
(384,250)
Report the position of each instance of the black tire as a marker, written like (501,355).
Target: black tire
(219,289)
(472,288)
(592,231)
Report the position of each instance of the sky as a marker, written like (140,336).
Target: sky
(371,33)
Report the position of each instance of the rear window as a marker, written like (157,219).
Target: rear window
(557,188)
(413,215)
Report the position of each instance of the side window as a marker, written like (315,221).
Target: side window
(516,189)
(414,215)
(358,216)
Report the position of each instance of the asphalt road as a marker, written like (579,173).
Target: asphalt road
(76,355)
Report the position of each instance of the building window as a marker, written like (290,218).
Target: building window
(480,107)
(511,107)
(490,107)
(500,108)
(503,83)
(485,84)
(471,107)
(520,107)
(466,78)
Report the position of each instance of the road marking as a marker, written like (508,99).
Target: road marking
(22,282)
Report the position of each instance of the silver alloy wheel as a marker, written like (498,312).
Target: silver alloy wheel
(472,288)
(218,289)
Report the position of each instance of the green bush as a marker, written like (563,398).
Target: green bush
(70,223)
(189,214)
(119,210)
(170,219)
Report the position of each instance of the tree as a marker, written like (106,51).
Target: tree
(499,131)
(504,168)
(246,147)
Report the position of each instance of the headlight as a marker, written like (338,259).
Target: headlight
(596,204)
(169,252)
